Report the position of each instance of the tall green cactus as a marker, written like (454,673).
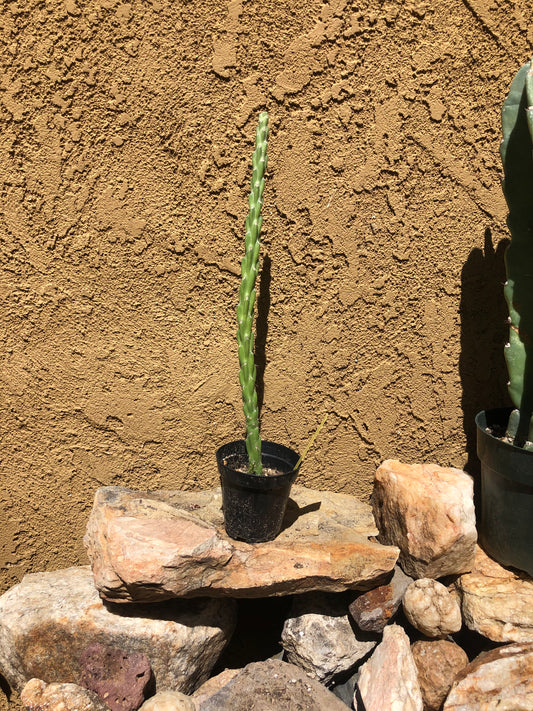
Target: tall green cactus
(517,157)
(245,308)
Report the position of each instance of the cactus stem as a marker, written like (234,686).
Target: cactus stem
(249,272)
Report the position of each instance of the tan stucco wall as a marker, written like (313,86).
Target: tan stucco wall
(126,137)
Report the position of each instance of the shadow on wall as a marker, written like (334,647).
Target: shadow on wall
(484,333)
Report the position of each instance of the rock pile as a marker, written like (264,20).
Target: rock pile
(147,626)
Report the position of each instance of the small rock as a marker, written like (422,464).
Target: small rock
(499,679)
(120,679)
(428,512)
(318,637)
(273,685)
(211,686)
(169,701)
(37,695)
(389,679)
(438,662)
(497,602)
(374,609)
(49,619)
(431,608)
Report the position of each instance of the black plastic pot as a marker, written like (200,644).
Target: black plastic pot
(506,531)
(254,506)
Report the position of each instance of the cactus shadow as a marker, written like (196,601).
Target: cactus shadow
(484,332)
(261,329)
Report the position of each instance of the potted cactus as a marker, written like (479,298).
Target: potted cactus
(505,436)
(256,476)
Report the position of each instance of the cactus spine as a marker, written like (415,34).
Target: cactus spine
(517,157)
(245,308)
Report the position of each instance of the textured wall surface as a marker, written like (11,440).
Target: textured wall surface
(125,148)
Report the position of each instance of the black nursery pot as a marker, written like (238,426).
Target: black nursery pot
(506,531)
(253,505)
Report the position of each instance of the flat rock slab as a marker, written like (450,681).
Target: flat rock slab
(148,546)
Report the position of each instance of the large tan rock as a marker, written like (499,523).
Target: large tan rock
(499,679)
(152,546)
(50,619)
(428,512)
(497,602)
(389,679)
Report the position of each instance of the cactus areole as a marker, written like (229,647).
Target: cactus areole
(517,157)
(245,308)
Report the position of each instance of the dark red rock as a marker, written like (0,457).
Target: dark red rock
(374,609)
(118,678)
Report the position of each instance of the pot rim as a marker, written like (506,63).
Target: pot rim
(272,454)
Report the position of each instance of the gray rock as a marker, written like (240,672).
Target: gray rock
(318,637)
(272,685)
(49,619)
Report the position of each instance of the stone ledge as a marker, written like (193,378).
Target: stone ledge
(148,546)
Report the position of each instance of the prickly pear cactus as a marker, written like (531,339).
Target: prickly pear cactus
(517,157)
(245,308)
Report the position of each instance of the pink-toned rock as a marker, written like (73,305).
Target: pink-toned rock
(431,609)
(389,679)
(438,662)
(118,678)
(499,679)
(374,609)
(37,695)
(497,602)
(49,619)
(428,512)
(152,546)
